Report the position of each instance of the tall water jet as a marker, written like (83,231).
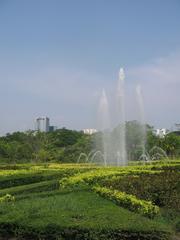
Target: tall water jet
(104,125)
(142,119)
(110,140)
(121,136)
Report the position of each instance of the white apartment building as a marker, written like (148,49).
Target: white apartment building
(42,124)
(161,132)
(89,131)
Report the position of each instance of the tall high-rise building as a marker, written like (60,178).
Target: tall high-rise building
(42,124)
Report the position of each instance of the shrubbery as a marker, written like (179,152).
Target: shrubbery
(54,232)
(128,201)
(12,178)
(162,188)
(99,175)
(7,198)
(159,186)
(136,188)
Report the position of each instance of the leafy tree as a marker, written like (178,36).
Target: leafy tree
(171,144)
(66,145)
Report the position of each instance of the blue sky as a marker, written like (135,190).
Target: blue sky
(57,55)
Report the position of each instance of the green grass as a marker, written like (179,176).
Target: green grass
(43,209)
(80,210)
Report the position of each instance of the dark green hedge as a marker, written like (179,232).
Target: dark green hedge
(31,188)
(55,232)
(163,188)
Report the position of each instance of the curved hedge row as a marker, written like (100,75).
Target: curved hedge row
(31,188)
(93,176)
(13,178)
(128,201)
(121,198)
(162,188)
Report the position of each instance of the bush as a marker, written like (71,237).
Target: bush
(7,198)
(128,201)
(162,188)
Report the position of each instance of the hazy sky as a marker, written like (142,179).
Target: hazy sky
(56,56)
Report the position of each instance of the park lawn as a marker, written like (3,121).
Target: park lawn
(82,211)
(56,201)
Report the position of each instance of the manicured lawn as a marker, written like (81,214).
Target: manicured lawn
(81,210)
(58,202)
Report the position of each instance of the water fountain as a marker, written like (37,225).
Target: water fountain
(104,126)
(121,149)
(142,119)
(110,149)
(96,157)
(113,147)
(155,153)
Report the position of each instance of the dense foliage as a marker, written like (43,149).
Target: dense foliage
(156,183)
(62,145)
(65,145)
(162,188)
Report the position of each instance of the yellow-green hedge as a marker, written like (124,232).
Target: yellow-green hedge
(128,201)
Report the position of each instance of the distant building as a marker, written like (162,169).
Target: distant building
(177,126)
(42,124)
(52,128)
(89,131)
(161,132)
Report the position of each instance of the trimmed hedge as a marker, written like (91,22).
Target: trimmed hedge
(34,187)
(74,177)
(162,188)
(94,176)
(22,177)
(54,232)
(128,201)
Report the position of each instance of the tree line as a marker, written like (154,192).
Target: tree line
(65,146)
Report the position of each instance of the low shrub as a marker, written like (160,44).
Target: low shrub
(128,201)
(7,198)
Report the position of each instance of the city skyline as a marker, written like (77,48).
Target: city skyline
(57,56)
